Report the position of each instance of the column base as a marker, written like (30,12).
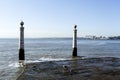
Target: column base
(21,63)
(21,54)
(74,52)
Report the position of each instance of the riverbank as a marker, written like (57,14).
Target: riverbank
(104,68)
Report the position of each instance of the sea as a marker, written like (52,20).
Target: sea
(50,49)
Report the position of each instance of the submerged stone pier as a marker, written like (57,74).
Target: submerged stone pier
(21,43)
(74,52)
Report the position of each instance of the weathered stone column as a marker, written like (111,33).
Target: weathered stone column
(74,52)
(21,44)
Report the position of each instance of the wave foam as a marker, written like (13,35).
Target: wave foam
(51,59)
(14,65)
(45,59)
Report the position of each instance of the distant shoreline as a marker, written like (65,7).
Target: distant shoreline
(79,38)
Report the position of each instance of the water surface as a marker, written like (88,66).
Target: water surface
(48,49)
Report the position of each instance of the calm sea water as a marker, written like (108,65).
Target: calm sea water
(46,49)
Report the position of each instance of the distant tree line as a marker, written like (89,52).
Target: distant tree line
(114,38)
(100,38)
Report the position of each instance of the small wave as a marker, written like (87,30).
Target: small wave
(45,59)
(51,59)
(14,65)
(33,61)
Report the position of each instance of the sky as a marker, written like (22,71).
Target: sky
(56,18)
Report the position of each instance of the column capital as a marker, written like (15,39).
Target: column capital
(75,26)
(21,23)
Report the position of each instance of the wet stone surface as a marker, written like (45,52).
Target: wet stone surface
(104,68)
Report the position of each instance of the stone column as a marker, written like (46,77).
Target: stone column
(21,44)
(74,52)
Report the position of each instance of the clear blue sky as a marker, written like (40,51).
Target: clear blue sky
(56,18)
